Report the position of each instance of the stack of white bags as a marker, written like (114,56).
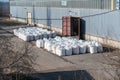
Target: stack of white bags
(33,33)
(61,46)
(66,46)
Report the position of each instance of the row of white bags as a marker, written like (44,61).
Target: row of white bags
(66,46)
(33,33)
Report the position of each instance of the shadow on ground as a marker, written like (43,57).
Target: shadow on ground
(64,75)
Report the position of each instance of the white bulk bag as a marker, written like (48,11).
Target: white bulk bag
(99,47)
(49,34)
(57,38)
(45,35)
(68,51)
(49,46)
(57,45)
(20,35)
(75,50)
(40,43)
(16,32)
(64,38)
(82,49)
(60,51)
(93,49)
(53,34)
(87,43)
(36,36)
(40,36)
(80,41)
(45,39)
(88,48)
(45,44)
(31,37)
(53,48)
(24,37)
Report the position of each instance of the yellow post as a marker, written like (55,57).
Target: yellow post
(112,4)
(29,18)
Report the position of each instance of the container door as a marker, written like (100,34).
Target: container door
(64,26)
(68,22)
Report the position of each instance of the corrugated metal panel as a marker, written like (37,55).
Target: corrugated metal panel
(105,25)
(94,4)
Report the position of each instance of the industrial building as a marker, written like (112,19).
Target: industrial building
(99,19)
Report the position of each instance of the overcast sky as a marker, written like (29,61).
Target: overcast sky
(4,0)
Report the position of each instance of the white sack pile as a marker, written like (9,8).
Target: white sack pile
(66,46)
(33,33)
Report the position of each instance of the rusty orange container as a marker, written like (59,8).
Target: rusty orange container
(64,31)
(70,26)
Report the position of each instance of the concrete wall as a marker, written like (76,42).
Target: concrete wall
(105,24)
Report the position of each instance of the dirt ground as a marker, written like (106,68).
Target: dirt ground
(101,66)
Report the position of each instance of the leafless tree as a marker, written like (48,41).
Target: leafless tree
(15,61)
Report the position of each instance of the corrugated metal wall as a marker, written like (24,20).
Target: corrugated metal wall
(96,19)
(94,4)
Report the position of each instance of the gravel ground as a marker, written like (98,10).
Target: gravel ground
(100,66)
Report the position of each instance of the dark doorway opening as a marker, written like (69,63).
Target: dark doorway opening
(75,24)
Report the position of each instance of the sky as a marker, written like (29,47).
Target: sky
(4,0)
